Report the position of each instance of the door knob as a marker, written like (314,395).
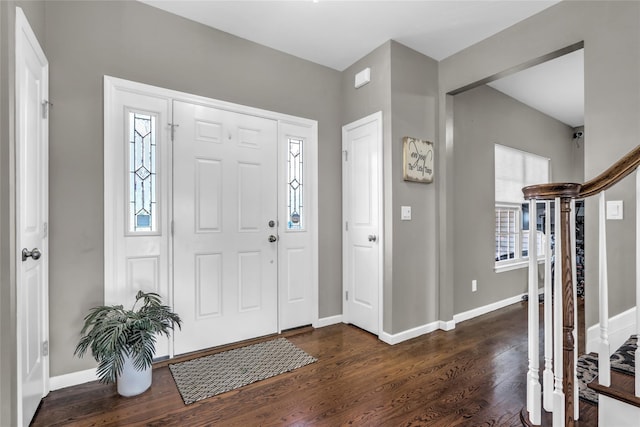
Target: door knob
(372,237)
(272,238)
(34,253)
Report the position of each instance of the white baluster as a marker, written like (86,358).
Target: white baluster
(533,381)
(558,393)
(576,396)
(547,376)
(637,355)
(604,364)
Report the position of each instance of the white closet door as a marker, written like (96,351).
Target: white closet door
(362,203)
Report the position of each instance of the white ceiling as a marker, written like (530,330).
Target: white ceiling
(554,87)
(338,33)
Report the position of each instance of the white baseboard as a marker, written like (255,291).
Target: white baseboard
(466,315)
(621,326)
(74,378)
(328,321)
(409,333)
(447,325)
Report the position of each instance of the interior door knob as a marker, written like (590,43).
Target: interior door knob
(272,238)
(34,253)
(373,237)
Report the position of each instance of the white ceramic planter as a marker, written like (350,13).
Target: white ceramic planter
(132,382)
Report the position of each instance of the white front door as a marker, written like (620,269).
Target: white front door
(362,201)
(32,77)
(192,186)
(225,250)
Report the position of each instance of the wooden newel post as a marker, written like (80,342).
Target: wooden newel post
(568,342)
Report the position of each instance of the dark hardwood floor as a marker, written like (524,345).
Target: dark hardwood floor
(474,375)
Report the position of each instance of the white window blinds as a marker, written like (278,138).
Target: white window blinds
(515,169)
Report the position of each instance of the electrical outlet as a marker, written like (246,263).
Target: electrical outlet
(474,285)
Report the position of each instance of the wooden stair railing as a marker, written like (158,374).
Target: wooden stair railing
(562,399)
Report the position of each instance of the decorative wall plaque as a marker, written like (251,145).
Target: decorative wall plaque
(417,155)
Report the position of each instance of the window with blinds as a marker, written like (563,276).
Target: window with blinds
(515,169)
(507,232)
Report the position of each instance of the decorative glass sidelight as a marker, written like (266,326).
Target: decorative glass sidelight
(142,173)
(295,185)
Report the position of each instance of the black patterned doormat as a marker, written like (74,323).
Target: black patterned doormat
(623,360)
(209,376)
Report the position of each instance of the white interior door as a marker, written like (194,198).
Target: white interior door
(225,250)
(362,201)
(32,74)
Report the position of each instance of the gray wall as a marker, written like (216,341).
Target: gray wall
(130,40)
(414,94)
(611,36)
(404,87)
(34,11)
(483,117)
(358,103)
(374,96)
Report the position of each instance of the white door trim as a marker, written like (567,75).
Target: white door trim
(113,84)
(377,117)
(26,37)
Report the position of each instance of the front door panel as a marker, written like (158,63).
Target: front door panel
(225,194)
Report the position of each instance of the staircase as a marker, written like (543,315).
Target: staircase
(618,403)
(621,387)
(554,398)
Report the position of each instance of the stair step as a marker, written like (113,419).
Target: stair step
(622,388)
(622,365)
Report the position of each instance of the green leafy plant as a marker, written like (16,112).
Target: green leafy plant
(111,332)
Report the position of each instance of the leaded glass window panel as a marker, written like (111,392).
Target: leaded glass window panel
(295,185)
(142,173)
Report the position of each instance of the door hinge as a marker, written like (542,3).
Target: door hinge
(45,229)
(45,108)
(45,348)
(346,155)
(173,130)
(346,226)
(346,295)
(172,223)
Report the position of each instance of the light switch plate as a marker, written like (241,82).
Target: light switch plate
(614,209)
(405,213)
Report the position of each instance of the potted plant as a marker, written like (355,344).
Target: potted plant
(123,341)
